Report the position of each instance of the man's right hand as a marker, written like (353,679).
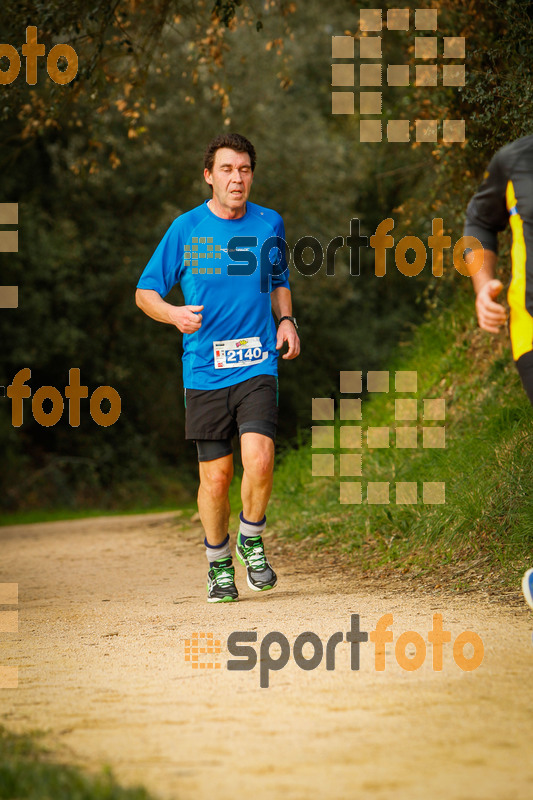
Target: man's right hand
(490,315)
(186,318)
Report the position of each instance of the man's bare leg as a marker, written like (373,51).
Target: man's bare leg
(213,501)
(257,452)
(213,506)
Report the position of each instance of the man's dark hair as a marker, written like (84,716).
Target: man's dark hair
(232,140)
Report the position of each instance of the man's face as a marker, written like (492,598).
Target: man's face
(231,179)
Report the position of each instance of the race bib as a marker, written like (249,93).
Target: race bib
(238,353)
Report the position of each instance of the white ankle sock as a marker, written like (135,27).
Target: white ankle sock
(216,552)
(247,529)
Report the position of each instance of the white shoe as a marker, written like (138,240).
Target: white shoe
(527,587)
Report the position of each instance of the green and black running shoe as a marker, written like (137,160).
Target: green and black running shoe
(221,582)
(259,573)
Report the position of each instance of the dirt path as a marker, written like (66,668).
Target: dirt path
(105,609)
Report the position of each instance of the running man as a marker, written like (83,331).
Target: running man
(230,349)
(506,196)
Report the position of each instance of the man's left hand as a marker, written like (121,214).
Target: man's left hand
(287,333)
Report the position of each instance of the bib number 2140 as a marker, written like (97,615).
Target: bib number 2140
(238,353)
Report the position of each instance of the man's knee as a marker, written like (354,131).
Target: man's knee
(261,467)
(257,456)
(215,478)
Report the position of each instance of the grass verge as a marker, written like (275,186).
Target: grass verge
(486,464)
(56,514)
(27,772)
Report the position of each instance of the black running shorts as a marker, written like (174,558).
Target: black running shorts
(214,416)
(524,366)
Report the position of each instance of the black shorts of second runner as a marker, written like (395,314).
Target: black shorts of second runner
(524,366)
(214,416)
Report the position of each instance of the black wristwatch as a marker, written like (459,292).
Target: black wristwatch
(292,319)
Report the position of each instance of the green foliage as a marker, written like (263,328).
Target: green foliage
(28,773)
(487,464)
(97,192)
(101,168)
